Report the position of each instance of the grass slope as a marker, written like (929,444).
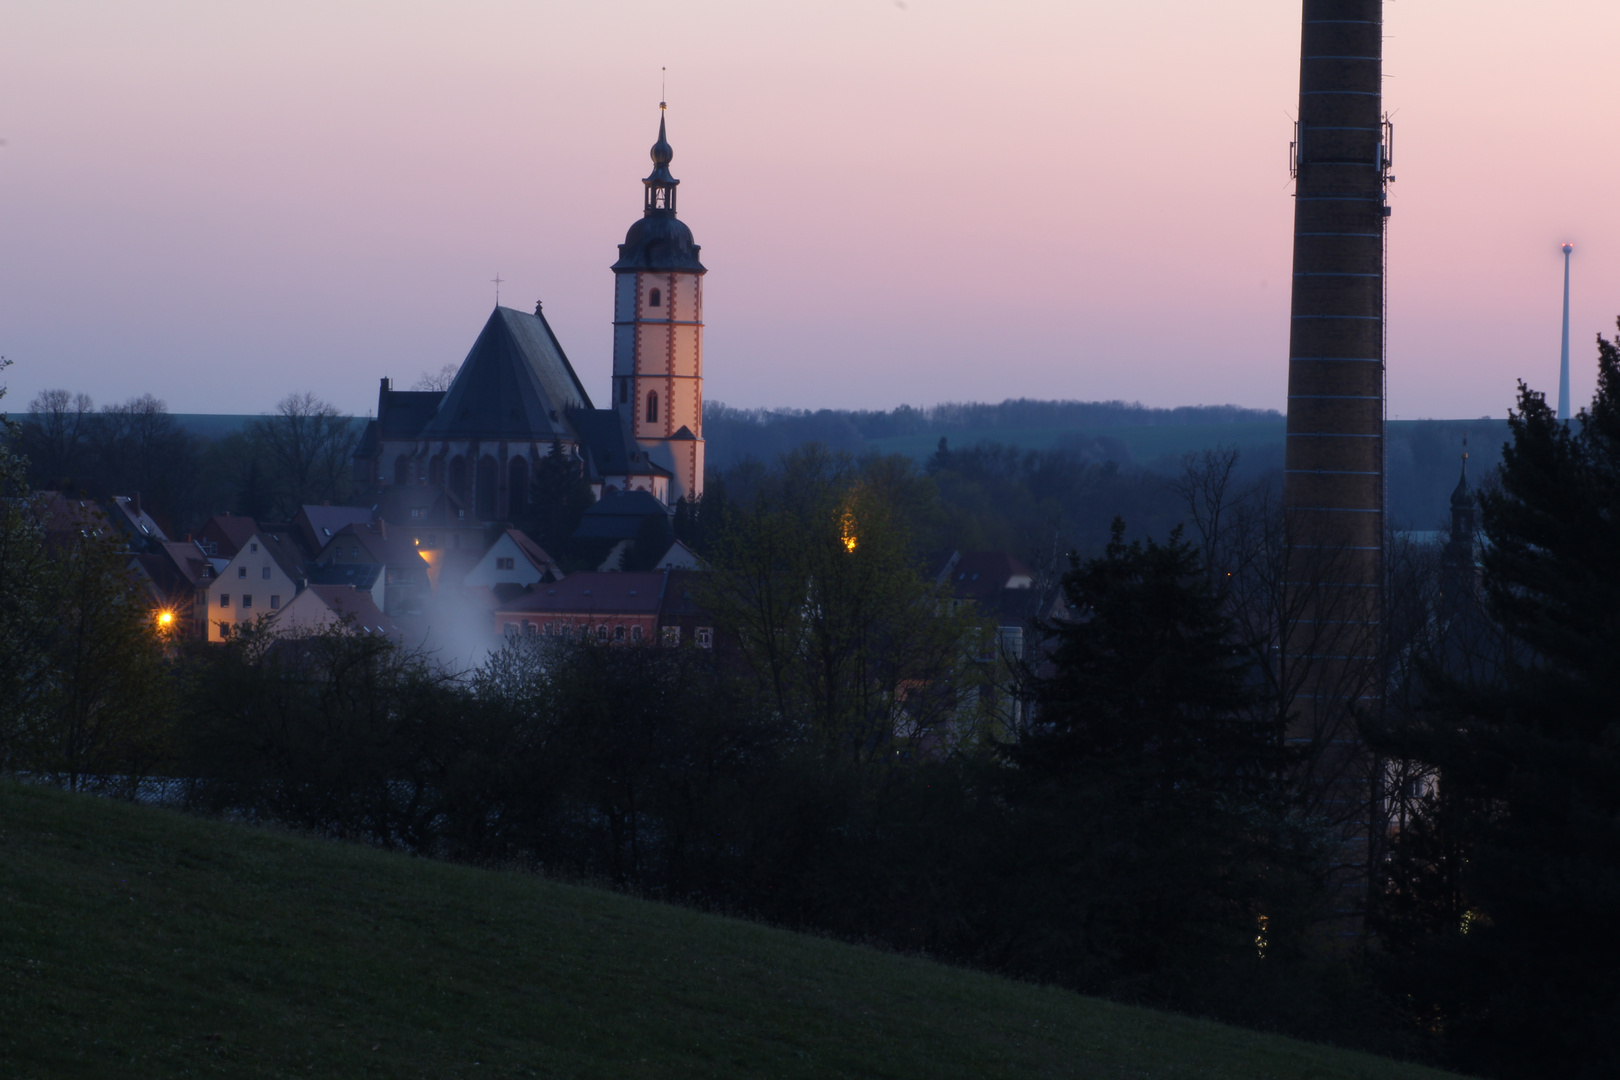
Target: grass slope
(138,942)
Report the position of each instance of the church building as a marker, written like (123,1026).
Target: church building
(463,457)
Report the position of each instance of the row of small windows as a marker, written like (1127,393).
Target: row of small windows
(241,572)
(247,601)
(702,636)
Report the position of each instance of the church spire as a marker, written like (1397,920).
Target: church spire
(660,184)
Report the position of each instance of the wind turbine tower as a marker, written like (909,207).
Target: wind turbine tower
(1563,361)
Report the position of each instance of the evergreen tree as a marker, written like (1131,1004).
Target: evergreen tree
(559,495)
(1523,835)
(1154,830)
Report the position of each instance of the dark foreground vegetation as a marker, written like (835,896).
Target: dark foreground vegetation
(1135,806)
(141,943)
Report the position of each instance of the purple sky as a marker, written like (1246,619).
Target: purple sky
(222,203)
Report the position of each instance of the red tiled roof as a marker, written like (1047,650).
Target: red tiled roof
(594,592)
(981,575)
(393,550)
(346,600)
(229,532)
(531,550)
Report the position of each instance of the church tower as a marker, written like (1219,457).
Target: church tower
(658,332)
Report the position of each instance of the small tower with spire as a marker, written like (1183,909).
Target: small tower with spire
(658,331)
(1458,554)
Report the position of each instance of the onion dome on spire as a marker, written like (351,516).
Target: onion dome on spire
(659,241)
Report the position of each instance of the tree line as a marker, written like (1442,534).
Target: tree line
(300,453)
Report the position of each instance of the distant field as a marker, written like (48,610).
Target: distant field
(139,943)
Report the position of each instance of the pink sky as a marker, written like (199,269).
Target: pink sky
(221,203)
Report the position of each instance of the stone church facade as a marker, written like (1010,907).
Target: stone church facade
(464,456)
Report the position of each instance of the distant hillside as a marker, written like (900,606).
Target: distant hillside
(140,942)
(1424,455)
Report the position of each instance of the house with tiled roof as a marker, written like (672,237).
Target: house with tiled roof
(406,583)
(260,576)
(513,560)
(609,606)
(314,526)
(321,607)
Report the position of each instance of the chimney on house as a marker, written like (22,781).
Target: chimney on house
(137,504)
(386,384)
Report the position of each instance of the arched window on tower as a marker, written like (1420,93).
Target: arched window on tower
(652,407)
(624,391)
(655,298)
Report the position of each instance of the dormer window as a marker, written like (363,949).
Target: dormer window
(655,298)
(652,407)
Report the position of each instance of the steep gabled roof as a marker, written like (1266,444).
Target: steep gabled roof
(516,383)
(228,533)
(317,525)
(395,551)
(347,601)
(537,555)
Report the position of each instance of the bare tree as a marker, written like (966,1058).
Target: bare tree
(56,436)
(307,444)
(1318,653)
(439,380)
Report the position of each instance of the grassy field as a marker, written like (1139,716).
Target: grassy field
(137,942)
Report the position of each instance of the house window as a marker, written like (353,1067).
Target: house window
(671,635)
(551,629)
(618,633)
(652,407)
(224,599)
(635,633)
(655,299)
(503,564)
(266,574)
(241,571)
(601,632)
(224,629)
(254,548)
(275,602)
(704,637)
(511,629)
(529,627)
